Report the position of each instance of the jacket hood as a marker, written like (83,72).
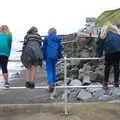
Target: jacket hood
(53,36)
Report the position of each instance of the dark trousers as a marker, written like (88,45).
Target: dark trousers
(4,63)
(112,59)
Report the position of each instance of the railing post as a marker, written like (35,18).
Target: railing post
(65,83)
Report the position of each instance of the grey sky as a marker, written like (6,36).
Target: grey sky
(66,15)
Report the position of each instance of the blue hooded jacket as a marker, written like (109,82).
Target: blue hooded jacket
(111,44)
(52,47)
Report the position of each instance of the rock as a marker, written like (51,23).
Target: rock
(74,72)
(75,82)
(92,76)
(99,92)
(115,91)
(74,92)
(81,74)
(94,89)
(104,97)
(86,80)
(60,83)
(75,62)
(84,95)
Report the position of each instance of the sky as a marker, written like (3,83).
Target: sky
(67,16)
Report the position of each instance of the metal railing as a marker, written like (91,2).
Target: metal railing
(65,59)
(65,80)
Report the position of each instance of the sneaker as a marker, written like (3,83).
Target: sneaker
(51,88)
(6,85)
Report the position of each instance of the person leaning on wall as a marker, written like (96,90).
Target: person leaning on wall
(109,42)
(52,52)
(5,50)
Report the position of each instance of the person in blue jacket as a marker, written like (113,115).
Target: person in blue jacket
(5,49)
(109,42)
(51,52)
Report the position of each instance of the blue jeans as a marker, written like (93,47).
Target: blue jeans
(51,71)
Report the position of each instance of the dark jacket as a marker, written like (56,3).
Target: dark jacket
(111,44)
(52,47)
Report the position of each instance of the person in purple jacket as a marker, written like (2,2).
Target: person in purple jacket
(52,52)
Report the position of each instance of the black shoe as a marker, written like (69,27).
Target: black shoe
(51,88)
(27,84)
(32,85)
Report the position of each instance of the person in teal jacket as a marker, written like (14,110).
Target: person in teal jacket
(5,49)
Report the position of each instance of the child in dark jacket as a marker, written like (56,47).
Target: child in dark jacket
(51,52)
(109,42)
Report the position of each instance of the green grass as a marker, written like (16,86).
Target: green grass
(112,15)
(84,111)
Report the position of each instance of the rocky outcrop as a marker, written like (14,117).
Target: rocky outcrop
(83,72)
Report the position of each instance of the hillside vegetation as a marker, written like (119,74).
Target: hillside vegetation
(111,15)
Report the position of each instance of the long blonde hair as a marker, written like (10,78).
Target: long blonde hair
(4,29)
(108,26)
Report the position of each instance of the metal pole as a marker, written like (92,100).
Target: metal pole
(89,58)
(65,83)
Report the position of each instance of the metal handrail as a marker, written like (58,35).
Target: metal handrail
(65,59)
(65,79)
(59,87)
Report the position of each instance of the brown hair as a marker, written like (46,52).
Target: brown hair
(52,30)
(5,29)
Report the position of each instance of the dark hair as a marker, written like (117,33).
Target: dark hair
(32,30)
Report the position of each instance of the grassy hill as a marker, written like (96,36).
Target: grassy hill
(111,15)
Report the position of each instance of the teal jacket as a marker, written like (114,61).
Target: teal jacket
(5,44)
